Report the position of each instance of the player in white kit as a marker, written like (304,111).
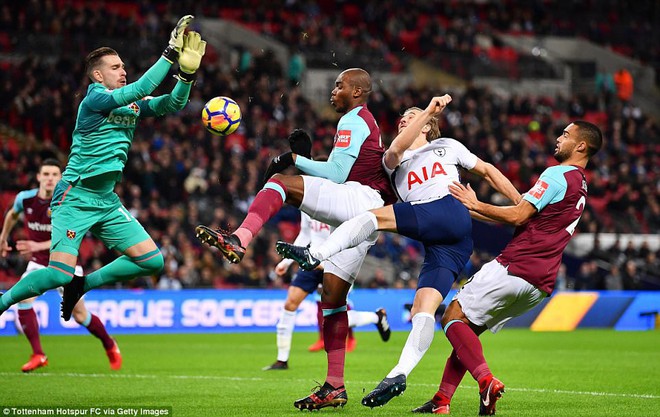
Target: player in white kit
(421,166)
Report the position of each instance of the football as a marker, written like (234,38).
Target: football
(221,116)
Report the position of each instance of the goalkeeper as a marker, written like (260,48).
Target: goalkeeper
(84,200)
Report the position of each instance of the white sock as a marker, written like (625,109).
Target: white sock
(419,341)
(361,318)
(349,234)
(284,334)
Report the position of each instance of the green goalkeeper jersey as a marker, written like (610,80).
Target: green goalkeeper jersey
(106,122)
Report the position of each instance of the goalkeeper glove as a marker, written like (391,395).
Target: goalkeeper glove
(279,164)
(190,57)
(300,143)
(175,44)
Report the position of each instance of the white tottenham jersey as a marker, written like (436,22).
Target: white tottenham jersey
(311,231)
(426,172)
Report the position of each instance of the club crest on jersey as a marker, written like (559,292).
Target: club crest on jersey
(71,234)
(440,152)
(343,139)
(49,212)
(135,108)
(539,189)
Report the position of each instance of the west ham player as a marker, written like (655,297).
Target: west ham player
(422,165)
(305,283)
(526,270)
(84,199)
(350,182)
(35,204)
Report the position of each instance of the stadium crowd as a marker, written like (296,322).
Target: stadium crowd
(178,175)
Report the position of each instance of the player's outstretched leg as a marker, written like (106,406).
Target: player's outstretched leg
(489,394)
(383,325)
(299,254)
(73,292)
(325,396)
(229,245)
(385,391)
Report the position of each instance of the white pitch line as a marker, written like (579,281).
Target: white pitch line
(368,383)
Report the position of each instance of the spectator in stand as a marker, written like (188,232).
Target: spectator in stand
(623,81)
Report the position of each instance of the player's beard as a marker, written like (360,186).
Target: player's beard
(562,155)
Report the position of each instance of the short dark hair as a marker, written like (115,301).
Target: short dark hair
(590,133)
(93,58)
(50,162)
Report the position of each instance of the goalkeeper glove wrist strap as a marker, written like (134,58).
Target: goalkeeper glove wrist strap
(186,78)
(170,54)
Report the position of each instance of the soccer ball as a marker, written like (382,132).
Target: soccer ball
(221,116)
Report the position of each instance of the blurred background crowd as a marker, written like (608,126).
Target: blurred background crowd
(178,175)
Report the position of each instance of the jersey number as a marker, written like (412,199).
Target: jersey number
(579,206)
(125,213)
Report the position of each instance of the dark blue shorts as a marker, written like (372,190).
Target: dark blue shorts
(445,228)
(308,281)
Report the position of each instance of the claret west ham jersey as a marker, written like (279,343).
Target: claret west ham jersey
(426,172)
(37,220)
(534,254)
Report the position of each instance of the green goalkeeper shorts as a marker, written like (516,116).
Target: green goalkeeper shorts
(77,210)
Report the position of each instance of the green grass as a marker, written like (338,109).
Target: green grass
(582,373)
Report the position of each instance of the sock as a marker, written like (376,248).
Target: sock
(335,330)
(28,319)
(125,268)
(451,378)
(285,327)
(319,317)
(418,342)
(468,349)
(266,203)
(36,283)
(361,318)
(95,327)
(349,234)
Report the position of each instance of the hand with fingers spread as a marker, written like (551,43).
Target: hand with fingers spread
(465,195)
(190,57)
(175,44)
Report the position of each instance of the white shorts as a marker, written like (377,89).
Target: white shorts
(491,297)
(333,204)
(33,266)
(347,263)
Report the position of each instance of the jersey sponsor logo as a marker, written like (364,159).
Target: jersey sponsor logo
(343,139)
(425,174)
(38,227)
(440,152)
(71,234)
(123,118)
(539,189)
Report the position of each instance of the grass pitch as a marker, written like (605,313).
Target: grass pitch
(581,373)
